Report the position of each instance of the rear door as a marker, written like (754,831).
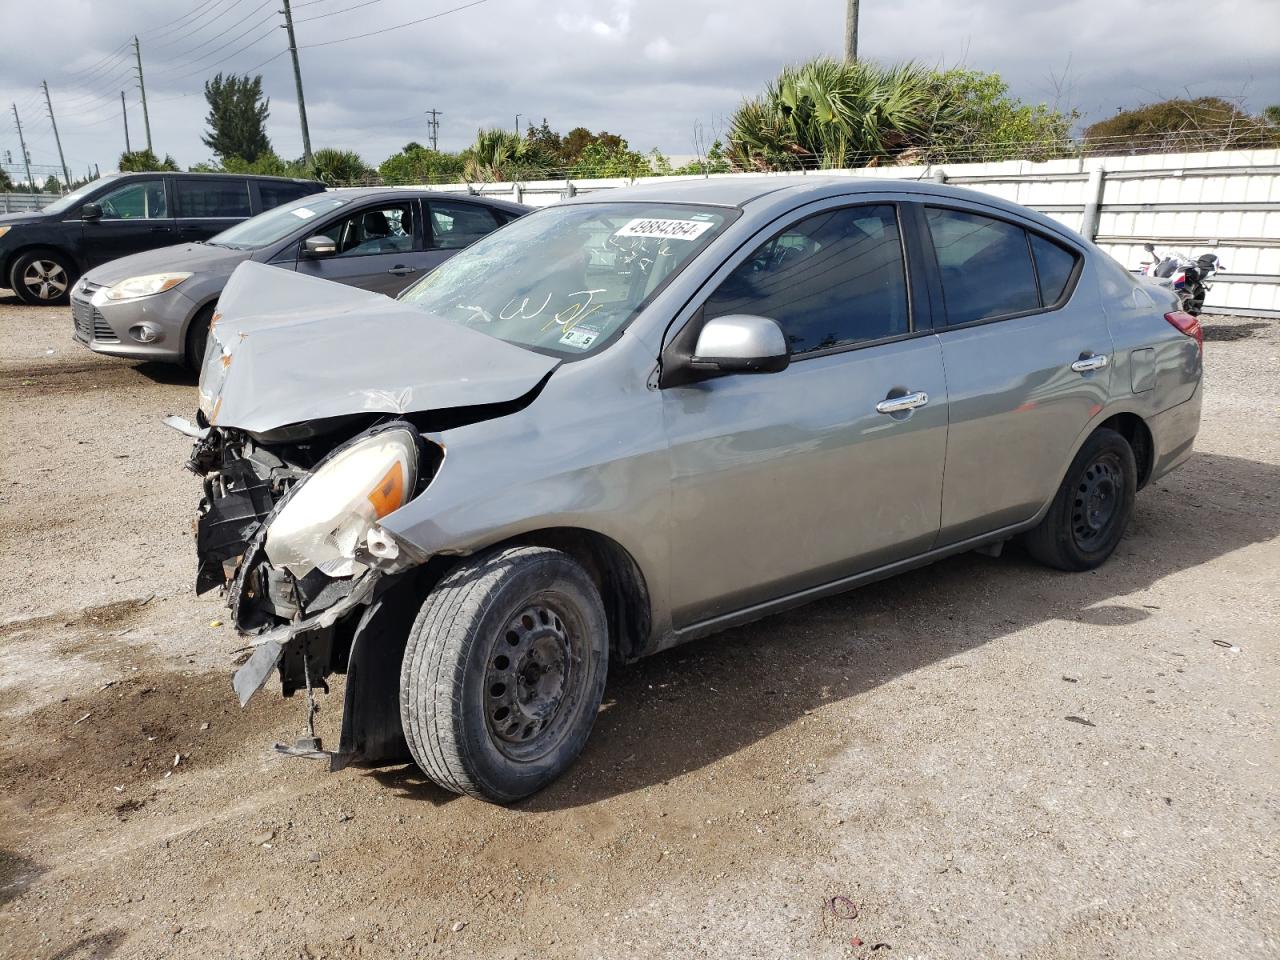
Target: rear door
(136,216)
(786,481)
(208,205)
(1027,354)
(379,247)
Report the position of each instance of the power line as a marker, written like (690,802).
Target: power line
(223,46)
(398,26)
(334,13)
(191,30)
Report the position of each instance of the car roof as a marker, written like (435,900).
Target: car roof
(391,193)
(796,189)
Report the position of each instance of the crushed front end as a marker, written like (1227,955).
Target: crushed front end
(289,527)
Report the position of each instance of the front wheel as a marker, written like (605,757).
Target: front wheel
(504,672)
(1092,508)
(42,278)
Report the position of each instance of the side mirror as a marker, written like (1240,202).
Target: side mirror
(1150,248)
(741,343)
(318,247)
(91,211)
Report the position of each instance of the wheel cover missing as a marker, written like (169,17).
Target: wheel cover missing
(534,677)
(1096,505)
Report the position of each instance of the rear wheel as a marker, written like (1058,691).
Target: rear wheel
(503,673)
(1092,508)
(42,277)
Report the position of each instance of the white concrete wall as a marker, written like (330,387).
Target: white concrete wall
(1225,202)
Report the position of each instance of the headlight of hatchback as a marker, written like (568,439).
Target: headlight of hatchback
(336,508)
(145,286)
(4,230)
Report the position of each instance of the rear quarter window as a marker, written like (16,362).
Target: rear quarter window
(274,194)
(1055,265)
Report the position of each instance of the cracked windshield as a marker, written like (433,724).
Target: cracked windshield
(566,279)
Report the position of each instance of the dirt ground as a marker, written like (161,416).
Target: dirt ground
(986,758)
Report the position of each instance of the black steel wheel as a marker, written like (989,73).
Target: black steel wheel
(1092,507)
(504,672)
(42,278)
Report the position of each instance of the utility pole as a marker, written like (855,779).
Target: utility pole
(66,177)
(22,145)
(851,32)
(518,116)
(434,125)
(297,79)
(125,113)
(146,119)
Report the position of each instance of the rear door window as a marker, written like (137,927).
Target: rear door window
(199,199)
(985,266)
(833,279)
(458,225)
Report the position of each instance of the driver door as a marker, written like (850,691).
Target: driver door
(786,481)
(378,248)
(136,216)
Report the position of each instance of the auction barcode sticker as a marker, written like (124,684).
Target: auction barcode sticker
(664,229)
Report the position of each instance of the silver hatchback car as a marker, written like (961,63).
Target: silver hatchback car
(641,416)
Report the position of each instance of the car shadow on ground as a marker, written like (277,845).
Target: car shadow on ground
(692,706)
(169,374)
(686,708)
(1234,331)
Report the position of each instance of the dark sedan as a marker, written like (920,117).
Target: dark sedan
(157,305)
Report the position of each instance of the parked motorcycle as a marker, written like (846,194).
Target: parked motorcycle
(1188,278)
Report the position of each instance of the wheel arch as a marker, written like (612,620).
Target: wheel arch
(11,259)
(1138,435)
(616,574)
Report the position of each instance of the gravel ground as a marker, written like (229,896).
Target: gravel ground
(986,758)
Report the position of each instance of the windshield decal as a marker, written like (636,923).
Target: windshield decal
(303,213)
(664,229)
(580,337)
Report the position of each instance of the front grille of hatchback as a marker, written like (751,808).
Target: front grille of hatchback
(89,321)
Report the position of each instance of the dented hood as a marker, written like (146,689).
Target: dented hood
(287,348)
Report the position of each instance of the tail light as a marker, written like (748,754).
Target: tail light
(1187,324)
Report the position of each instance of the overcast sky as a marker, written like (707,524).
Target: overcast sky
(649,70)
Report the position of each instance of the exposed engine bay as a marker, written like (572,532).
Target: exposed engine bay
(288,525)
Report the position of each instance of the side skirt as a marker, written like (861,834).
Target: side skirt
(737,618)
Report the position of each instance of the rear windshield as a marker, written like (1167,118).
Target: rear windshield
(565,280)
(274,225)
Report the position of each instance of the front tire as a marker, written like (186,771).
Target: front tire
(42,278)
(504,672)
(197,338)
(1092,508)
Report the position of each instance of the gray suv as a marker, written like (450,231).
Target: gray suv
(642,416)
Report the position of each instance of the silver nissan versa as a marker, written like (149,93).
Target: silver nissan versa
(645,415)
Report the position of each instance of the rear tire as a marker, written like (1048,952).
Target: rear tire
(197,338)
(504,672)
(1091,509)
(43,278)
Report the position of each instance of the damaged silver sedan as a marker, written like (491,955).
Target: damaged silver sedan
(643,416)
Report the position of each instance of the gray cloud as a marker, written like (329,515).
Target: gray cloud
(649,71)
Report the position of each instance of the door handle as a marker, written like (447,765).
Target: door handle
(902,404)
(400,270)
(1094,362)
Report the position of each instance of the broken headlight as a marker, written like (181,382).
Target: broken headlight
(331,515)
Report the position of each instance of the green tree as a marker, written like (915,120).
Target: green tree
(341,167)
(1206,123)
(6,182)
(142,161)
(52,184)
(417,164)
(1272,114)
(502,155)
(603,159)
(827,113)
(237,117)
